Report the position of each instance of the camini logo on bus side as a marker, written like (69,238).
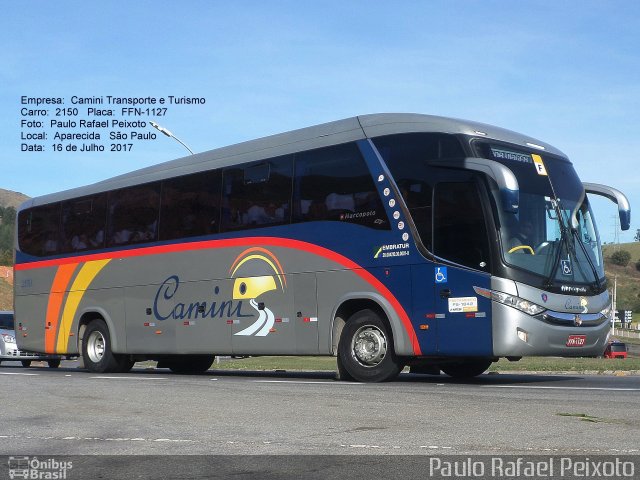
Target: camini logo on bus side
(254,272)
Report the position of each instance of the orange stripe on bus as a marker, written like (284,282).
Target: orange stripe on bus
(56,296)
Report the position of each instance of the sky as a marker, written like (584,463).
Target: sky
(567,73)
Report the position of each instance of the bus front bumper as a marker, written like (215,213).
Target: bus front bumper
(516,334)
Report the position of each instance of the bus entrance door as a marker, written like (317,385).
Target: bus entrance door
(463,317)
(460,235)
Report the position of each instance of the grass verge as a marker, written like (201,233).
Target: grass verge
(553,364)
(530,364)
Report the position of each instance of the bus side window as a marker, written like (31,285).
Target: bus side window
(191,205)
(334,183)
(407,155)
(257,194)
(39,229)
(133,214)
(83,223)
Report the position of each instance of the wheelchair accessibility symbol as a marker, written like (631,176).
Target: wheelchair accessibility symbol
(566,267)
(441,275)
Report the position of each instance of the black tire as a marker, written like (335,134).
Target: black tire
(53,363)
(25,363)
(466,368)
(365,351)
(190,364)
(97,354)
(342,371)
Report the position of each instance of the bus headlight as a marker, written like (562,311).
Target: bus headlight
(521,304)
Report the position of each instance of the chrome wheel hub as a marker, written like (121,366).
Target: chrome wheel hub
(95,346)
(369,346)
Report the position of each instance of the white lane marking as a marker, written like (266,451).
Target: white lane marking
(130,378)
(99,439)
(307,382)
(19,373)
(539,387)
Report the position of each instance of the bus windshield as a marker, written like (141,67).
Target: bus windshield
(553,234)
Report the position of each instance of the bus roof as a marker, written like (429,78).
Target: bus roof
(326,134)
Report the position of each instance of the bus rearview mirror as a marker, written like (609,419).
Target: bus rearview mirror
(617,197)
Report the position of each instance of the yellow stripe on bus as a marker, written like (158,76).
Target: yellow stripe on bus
(84,278)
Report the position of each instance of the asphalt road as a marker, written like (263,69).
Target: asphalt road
(70,412)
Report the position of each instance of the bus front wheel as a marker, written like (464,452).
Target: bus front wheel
(97,353)
(365,351)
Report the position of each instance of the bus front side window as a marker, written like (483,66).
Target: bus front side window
(459,229)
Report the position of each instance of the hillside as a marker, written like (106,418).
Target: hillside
(9,198)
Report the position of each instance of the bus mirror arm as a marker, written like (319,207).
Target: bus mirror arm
(616,196)
(502,175)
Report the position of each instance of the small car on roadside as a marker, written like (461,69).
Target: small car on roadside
(616,350)
(9,351)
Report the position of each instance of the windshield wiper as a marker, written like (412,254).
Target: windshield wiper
(567,239)
(564,239)
(594,270)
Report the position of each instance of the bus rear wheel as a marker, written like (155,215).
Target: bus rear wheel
(365,351)
(97,353)
(53,363)
(466,368)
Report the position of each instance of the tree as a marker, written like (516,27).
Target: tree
(6,258)
(621,257)
(7,225)
(637,237)
(8,215)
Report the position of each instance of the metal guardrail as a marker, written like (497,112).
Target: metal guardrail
(623,332)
